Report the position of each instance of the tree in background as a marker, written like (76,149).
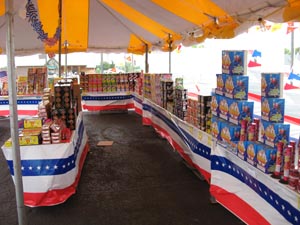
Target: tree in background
(106,66)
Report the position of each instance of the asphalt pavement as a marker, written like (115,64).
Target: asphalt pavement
(138,180)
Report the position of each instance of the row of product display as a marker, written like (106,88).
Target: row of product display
(263,142)
(172,95)
(152,87)
(56,119)
(226,114)
(105,83)
(199,112)
(32,84)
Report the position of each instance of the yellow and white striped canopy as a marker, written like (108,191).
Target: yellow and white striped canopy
(131,25)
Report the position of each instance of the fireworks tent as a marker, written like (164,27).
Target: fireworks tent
(248,157)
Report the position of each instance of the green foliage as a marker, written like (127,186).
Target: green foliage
(106,66)
(129,67)
(287,51)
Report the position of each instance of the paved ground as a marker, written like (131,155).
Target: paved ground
(139,180)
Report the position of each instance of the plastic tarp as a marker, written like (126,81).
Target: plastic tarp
(128,25)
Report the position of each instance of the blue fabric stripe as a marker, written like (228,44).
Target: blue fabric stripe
(138,100)
(22,102)
(282,206)
(50,167)
(107,98)
(190,141)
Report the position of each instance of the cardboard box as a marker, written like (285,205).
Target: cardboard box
(223,108)
(27,137)
(220,84)
(236,87)
(215,127)
(234,62)
(271,86)
(33,123)
(272,133)
(239,111)
(265,159)
(215,100)
(272,109)
(229,133)
(252,149)
(242,149)
(30,140)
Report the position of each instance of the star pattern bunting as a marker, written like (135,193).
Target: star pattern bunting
(137,99)
(190,141)
(22,102)
(50,167)
(281,205)
(108,98)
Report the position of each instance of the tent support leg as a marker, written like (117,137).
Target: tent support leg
(146,59)
(13,114)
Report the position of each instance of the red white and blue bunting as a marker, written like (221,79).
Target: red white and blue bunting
(33,18)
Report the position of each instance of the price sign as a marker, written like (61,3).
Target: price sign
(209,140)
(200,135)
(191,130)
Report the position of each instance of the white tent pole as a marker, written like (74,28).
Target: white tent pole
(59,40)
(292,51)
(170,51)
(13,114)
(146,59)
(170,60)
(102,63)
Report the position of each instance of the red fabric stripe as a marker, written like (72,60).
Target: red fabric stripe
(20,112)
(203,172)
(192,94)
(254,97)
(138,110)
(107,107)
(147,121)
(237,206)
(180,150)
(58,196)
(291,119)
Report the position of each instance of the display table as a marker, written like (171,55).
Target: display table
(27,105)
(107,101)
(51,172)
(191,143)
(250,194)
(138,103)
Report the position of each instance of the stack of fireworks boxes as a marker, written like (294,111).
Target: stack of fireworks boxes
(230,107)
(138,89)
(156,94)
(199,112)
(36,80)
(273,132)
(180,99)
(132,80)
(45,106)
(147,85)
(84,82)
(94,82)
(167,94)
(65,109)
(106,83)
(253,140)
(103,83)
(260,151)
(152,86)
